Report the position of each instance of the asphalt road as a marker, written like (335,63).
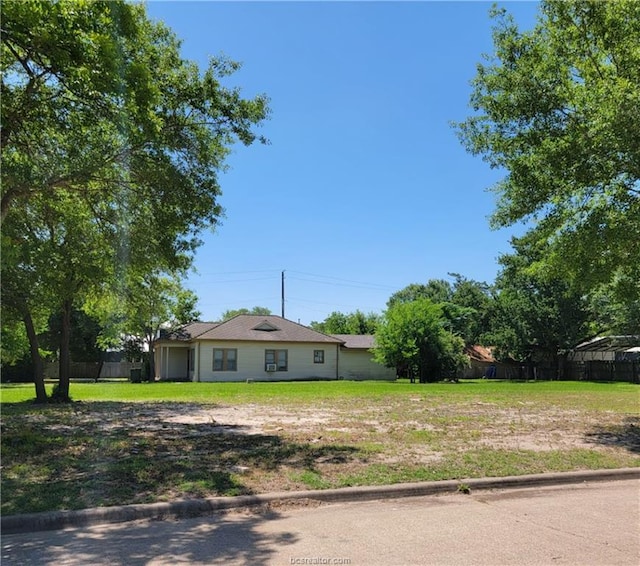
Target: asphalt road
(585,524)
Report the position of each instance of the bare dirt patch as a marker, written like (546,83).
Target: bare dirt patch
(252,419)
(481,424)
(107,453)
(412,432)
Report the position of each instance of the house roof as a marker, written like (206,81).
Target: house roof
(479,353)
(188,332)
(261,328)
(609,344)
(356,341)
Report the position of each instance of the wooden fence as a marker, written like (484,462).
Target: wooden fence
(604,371)
(89,370)
(628,371)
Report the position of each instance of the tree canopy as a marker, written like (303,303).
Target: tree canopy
(97,98)
(436,290)
(464,304)
(534,314)
(558,108)
(226,315)
(412,335)
(112,144)
(348,323)
(615,307)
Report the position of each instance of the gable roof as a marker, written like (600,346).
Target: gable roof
(357,341)
(479,353)
(264,328)
(188,331)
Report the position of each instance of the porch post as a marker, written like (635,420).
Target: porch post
(157,361)
(165,361)
(196,369)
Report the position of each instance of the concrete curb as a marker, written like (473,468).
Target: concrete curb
(196,507)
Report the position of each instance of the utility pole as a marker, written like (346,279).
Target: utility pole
(282,286)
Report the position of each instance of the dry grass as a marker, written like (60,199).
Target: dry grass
(94,453)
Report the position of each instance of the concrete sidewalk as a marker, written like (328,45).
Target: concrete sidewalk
(197,507)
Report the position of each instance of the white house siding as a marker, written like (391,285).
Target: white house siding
(251,361)
(193,357)
(171,361)
(359,365)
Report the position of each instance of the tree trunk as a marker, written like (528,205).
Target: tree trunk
(62,394)
(152,361)
(422,374)
(100,365)
(36,360)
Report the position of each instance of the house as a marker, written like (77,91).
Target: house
(355,361)
(262,348)
(481,363)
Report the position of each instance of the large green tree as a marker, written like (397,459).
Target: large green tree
(558,108)
(111,148)
(84,338)
(226,315)
(154,301)
(96,92)
(412,335)
(436,290)
(19,327)
(464,304)
(355,322)
(476,299)
(615,307)
(535,316)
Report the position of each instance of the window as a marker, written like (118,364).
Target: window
(225,359)
(192,359)
(318,356)
(277,357)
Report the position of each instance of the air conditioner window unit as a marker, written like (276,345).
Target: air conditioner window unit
(272,367)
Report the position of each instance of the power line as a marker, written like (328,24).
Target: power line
(357,307)
(252,302)
(213,281)
(307,277)
(238,272)
(360,283)
(353,285)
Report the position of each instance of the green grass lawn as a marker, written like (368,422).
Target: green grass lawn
(563,393)
(121,443)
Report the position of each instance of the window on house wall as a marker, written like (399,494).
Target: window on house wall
(225,359)
(192,359)
(318,356)
(277,357)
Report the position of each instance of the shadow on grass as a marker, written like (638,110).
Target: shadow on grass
(626,435)
(108,453)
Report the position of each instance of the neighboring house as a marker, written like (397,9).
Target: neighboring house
(355,360)
(481,363)
(261,348)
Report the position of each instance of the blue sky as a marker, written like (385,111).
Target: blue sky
(364,187)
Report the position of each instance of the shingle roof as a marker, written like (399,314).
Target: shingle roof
(357,341)
(188,331)
(261,328)
(479,353)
